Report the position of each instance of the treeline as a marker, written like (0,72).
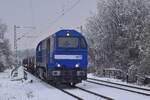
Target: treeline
(118,35)
(23,54)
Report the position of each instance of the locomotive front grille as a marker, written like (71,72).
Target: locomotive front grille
(67,73)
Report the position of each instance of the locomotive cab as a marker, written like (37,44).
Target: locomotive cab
(62,58)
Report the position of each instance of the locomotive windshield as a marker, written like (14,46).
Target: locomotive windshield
(68,42)
(83,43)
(71,42)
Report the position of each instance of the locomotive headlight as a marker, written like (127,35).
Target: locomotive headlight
(77,65)
(58,65)
(68,34)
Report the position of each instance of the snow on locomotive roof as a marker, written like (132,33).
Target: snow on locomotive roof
(65,32)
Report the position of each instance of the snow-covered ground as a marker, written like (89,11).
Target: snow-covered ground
(39,90)
(84,95)
(112,92)
(115,93)
(16,90)
(116,81)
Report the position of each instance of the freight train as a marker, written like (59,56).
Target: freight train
(61,58)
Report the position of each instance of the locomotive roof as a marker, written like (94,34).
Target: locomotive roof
(64,33)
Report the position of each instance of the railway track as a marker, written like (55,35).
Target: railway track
(47,83)
(102,96)
(73,94)
(84,94)
(134,87)
(117,87)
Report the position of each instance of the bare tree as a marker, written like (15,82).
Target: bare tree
(6,58)
(3,28)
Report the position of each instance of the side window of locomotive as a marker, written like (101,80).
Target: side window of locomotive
(51,49)
(48,45)
(44,45)
(83,43)
(51,43)
(39,48)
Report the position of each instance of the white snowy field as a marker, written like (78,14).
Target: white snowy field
(16,90)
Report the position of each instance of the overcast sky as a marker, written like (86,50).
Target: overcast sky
(45,16)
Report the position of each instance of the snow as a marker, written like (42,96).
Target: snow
(116,94)
(116,81)
(84,95)
(123,87)
(38,90)
(20,74)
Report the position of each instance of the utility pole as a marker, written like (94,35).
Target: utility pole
(15,42)
(81,29)
(15,47)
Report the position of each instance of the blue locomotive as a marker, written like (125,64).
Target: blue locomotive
(62,57)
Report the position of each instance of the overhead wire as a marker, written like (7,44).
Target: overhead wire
(32,17)
(32,12)
(62,14)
